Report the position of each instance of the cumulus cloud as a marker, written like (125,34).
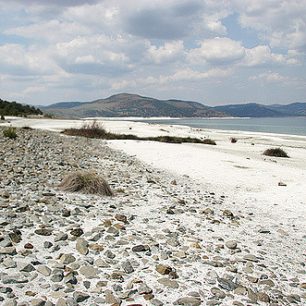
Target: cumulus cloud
(218,51)
(91,48)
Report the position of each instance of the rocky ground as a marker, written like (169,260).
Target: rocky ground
(161,240)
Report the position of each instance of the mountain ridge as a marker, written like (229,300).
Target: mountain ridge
(133,105)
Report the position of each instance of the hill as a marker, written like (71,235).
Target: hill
(132,105)
(17,109)
(295,109)
(259,110)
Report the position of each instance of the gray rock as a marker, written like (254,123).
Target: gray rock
(82,246)
(188,301)
(168,283)
(89,272)
(17,278)
(8,251)
(67,259)
(44,270)
(61,237)
(127,267)
(231,244)
(43,232)
(38,302)
(227,284)
(80,297)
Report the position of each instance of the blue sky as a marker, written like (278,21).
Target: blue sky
(214,52)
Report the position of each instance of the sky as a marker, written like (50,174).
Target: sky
(213,52)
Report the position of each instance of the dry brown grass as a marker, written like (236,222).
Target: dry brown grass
(86,182)
(276,152)
(95,130)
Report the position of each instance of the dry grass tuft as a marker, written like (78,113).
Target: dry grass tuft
(276,152)
(86,182)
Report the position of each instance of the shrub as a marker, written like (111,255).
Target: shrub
(94,130)
(89,130)
(26,127)
(209,141)
(276,152)
(10,132)
(233,140)
(86,182)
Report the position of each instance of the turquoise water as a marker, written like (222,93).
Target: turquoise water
(288,125)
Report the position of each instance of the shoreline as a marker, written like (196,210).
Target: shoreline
(65,123)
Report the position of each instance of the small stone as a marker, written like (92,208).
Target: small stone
(127,267)
(227,213)
(17,278)
(82,246)
(28,246)
(27,268)
(8,251)
(44,270)
(188,301)
(168,283)
(250,257)
(66,212)
(263,297)
(163,269)
(80,297)
(43,232)
(89,272)
(67,259)
(140,248)
(38,302)
(61,237)
(282,184)
(121,218)
(231,244)
(264,231)
(144,289)
(227,284)
(77,232)
(48,244)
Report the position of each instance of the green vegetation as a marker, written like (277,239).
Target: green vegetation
(276,152)
(17,109)
(10,132)
(86,182)
(94,130)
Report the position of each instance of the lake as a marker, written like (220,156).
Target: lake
(288,125)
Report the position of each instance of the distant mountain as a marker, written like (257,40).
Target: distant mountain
(131,105)
(17,109)
(259,110)
(294,109)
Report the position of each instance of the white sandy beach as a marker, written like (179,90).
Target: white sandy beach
(238,170)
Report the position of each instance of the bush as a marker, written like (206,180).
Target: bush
(86,182)
(233,140)
(209,141)
(10,132)
(276,152)
(89,130)
(95,130)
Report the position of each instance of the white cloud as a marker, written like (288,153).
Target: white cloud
(168,52)
(218,51)
(280,22)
